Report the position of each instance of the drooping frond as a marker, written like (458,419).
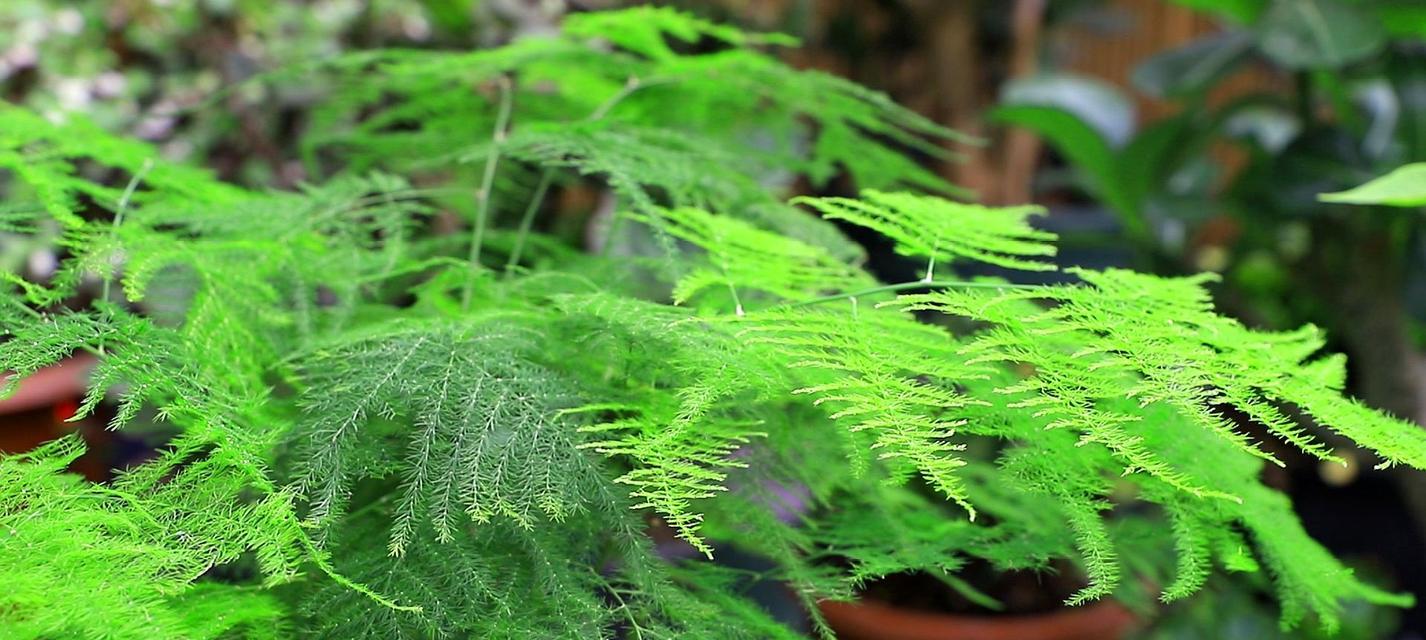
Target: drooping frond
(1259,531)
(476,423)
(153,533)
(924,226)
(639,162)
(743,257)
(683,428)
(1163,336)
(906,412)
(643,30)
(681,458)
(41,155)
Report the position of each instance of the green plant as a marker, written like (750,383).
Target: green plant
(388,431)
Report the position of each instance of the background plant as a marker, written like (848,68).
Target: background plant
(1339,101)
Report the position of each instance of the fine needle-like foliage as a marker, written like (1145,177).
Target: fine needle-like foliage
(386,429)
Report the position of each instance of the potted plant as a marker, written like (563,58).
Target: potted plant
(384,431)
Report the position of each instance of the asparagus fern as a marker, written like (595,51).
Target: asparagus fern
(395,432)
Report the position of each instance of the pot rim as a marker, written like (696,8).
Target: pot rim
(67,379)
(1102,619)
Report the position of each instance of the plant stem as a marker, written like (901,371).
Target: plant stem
(1302,85)
(24,307)
(529,219)
(631,85)
(487,183)
(119,219)
(114,230)
(917,284)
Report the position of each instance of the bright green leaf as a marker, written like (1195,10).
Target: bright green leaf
(1403,187)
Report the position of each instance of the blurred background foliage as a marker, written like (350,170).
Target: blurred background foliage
(1171,136)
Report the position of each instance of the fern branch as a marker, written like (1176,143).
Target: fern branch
(527,220)
(904,286)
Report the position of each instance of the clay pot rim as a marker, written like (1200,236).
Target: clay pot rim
(1102,619)
(67,379)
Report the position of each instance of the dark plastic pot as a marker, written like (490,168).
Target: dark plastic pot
(870,620)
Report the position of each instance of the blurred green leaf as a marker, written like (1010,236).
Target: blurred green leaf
(1094,102)
(1085,149)
(1272,127)
(1403,187)
(1146,164)
(1241,11)
(1194,67)
(1407,74)
(1403,18)
(452,16)
(1308,34)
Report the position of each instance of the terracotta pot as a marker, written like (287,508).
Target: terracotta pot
(870,620)
(60,382)
(38,409)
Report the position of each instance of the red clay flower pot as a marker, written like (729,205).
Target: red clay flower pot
(37,411)
(871,620)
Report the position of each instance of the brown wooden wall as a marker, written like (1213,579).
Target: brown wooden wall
(1151,26)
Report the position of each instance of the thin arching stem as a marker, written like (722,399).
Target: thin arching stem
(918,284)
(119,217)
(529,218)
(24,307)
(632,85)
(931,264)
(487,184)
(114,228)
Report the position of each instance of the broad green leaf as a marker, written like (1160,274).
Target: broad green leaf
(1146,164)
(1307,34)
(1085,148)
(1094,102)
(1240,11)
(1403,187)
(1193,67)
(1403,18)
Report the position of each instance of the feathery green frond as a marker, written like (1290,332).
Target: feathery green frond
(743,257)
(908,416)
(477,425)
(41,153)
(639,160)
(680,426)
(931,227)
(135,550)
(643,30)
